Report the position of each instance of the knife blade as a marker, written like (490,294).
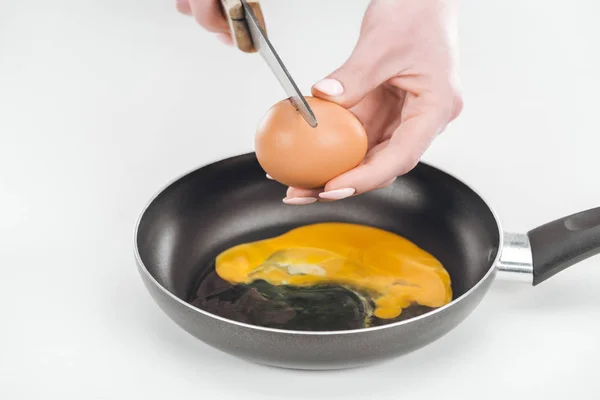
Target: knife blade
(264,46)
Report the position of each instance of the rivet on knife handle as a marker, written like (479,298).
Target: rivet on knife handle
(236,17)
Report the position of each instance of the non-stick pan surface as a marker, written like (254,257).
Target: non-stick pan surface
(231,201)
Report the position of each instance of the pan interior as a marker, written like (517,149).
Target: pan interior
(231,201)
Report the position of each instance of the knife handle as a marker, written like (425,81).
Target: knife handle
(236,17)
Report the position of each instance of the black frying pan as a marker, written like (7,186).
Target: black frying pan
(231,201)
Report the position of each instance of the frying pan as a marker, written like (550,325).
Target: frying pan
(231,201)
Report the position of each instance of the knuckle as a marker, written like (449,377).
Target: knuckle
(206,21)
(449,104)
(458,104)
(387,183)
(201,20)
(408,164)
(411,163)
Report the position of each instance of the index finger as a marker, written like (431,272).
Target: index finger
(402,153)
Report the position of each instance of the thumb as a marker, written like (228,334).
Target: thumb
(397,157)
(351,82)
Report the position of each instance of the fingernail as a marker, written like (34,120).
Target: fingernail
(224,38)
(330,87)
(269,177)
(337,194)
(299,200)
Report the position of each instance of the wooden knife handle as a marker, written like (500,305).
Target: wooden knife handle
(235,15)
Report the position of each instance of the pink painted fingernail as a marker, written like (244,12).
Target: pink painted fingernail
(224,38)
(337,194)
(329,86)
(299,200)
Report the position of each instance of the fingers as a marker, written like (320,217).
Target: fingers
(380,168)
(224,38)
(183,6)
(400,156)
(297,196)
(209,15)
(426,116)
(425,113)
(362,72)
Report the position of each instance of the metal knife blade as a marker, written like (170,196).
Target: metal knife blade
(268,53)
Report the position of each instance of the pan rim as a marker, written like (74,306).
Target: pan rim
(195,309)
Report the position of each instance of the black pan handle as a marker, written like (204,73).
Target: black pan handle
(559,244)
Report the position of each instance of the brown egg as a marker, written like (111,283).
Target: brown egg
(297,155)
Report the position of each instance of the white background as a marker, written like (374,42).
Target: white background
(104,101)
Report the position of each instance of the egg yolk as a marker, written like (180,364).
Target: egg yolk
(393,271)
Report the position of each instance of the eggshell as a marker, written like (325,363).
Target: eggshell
(297,155)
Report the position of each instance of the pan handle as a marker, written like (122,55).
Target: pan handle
(236,17)
(561,243)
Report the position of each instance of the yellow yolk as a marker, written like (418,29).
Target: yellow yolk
(392,270)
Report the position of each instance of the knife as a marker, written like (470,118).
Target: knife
(248,32)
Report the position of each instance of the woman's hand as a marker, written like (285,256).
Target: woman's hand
(401,82)
(209,15)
